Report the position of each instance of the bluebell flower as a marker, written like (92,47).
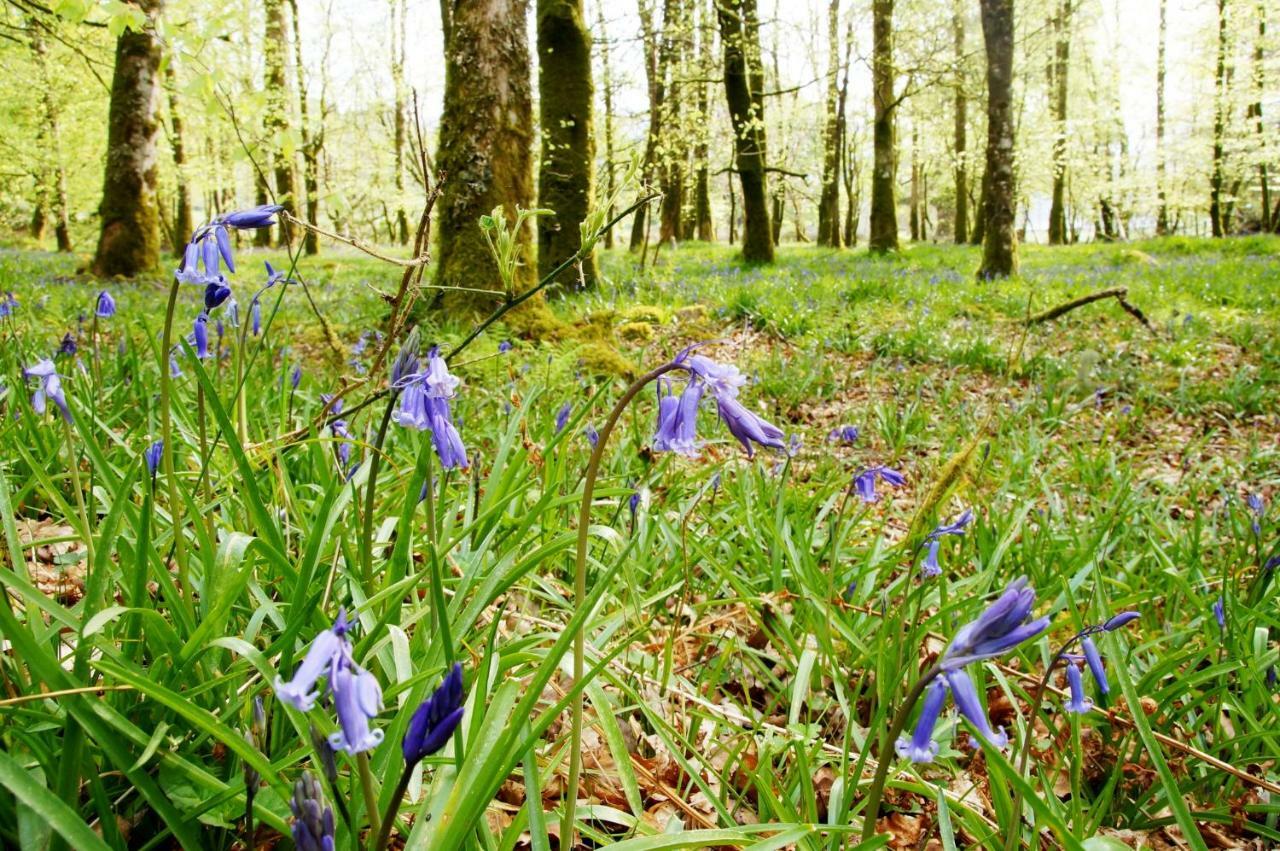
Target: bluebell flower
(956,527)
(864,484)
(105,307)
(406,362)
(678,420)
(8,304)
(435,719)
(49,387)
(930,567)
(68,346)
(424,404)
(262,216)
(1004,625)
(593,436)
(200,335)
(504,347)
(847,435)
(274,276)
(921,747)
(210,245)
(633,504)
(1220,613)
(313,825)
(746,426)
(1078,702)
(1094,658)
(295,376)
(175,371)
(1121,620)
(562,416)
(255,317)
(322,657)
(153,454)
(966,698)
(357,699)
(1259,509)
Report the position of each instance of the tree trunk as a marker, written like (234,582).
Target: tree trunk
(607,81)
(979,232)
(961,226)
(657,51)
(56,175)
(1255,112)
(1217,178)
(775,218)
(567,173)
(183,223)
(913,205)
(884,174)
(1061,56)
(733,210)
(310,142)
(130,240)
(1000,242)
(743,84)
(1162,211)
(276,120)
(829,200)
(704,229)
(398,13)
(671,147)
(485,143)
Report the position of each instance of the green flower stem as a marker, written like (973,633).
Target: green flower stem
(871,813)
(366,786)
(580,593)
(366,535)
(166,435)
(393,809)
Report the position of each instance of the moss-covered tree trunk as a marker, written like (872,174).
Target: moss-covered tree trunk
(1059,66)
(54,192)
(399,13)
(743,84)
(129,243)
(829,198)
(657,57)
(277,114)
(606,66)
(884,173)
(486,142)
(1000,240)
(961,228)
(1217,178)
(182,215)
(311,141)
(566,176)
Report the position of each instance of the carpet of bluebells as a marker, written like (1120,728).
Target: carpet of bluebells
(843,553)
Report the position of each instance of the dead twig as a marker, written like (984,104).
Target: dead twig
(1118,293)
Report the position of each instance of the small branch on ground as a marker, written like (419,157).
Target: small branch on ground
(1118,293)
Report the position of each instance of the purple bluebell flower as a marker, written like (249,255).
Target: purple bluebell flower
(1079,702)
(435,719)
(255,317)
(262,216)
(153,454)
(424,404)
(1121,620)
(562,416)
(68,346)
(864,484)
(105,307)
(955,527)
(200,335)
(325,653)
(847,434)
(313,825)
(678,420)
(274,275)
(966,698)
(406,363)
(593,436)
(1003,626)
(921,747)
(504,347)
(295,376)
(1094,658)
(357,699)
(1272,677)
(722,379)
(215,294)
(232,313)
(930,567)
(1220,613)
(49,387)
(7,305)
(633,504)
(746,426)
(1259,509)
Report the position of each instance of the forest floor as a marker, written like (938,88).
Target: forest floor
(760,628)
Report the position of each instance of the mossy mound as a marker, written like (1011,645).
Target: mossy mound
(602,360)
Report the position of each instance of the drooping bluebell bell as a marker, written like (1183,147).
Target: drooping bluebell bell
(1078,702)
(504,347)
(921,747)
(295,376)
(1220,613)
(424,404)
(930,567)
(678,419)
(255,317)
(49,387)
(322,657)
(406,362)
(562,416)
(846,434)
(1119,621)
(274,275)
(1004,625)
(338,428)
(1094,658)
(593,436)
(8,304)
(200,335)
(105,306)
(313,825)
(68,346)
(215,294)
(153,454)
(1259,510)
(175,371)
(966,697)
(864,484)
(955,527)
(435,719)
(232,313)
(210,245)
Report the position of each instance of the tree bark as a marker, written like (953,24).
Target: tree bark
(744,84)
(1061,56)
(567,173)
(56,175)
(913,205)
(399,11)
(485,142)
(129,243)
(657,53)
(1255,112)
(829,200)
(183,223)
(1000,242)
(1217,178)
(961,226)
(607,81)
(276,121)
(1162,210)
(884,174)
(311,142)
(703,228)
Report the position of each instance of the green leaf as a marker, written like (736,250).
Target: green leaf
(48,806)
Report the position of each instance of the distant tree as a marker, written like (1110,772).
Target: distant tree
(655,40)
(1058,71)
(399,12)
(276,120)
(312,141)
(703,227)
(566,176)
(52,186)
(129,243)
(744,91)
(884,173)
(1000,242)
(961,115)
(182,214)
(1218,220)
(607,83)
(829,201)
(1255,112)
(1162,209)
(485,141)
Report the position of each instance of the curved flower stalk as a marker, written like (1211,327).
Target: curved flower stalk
(676,431)
(1004,625)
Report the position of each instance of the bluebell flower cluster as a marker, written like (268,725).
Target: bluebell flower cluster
(864,484)
(313,825)
(435,719)
(105,306)
(677,415)
(357,697)
(846,434)
(424,403)
(152,455)
(930,566)
(48,387)
(8,304)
